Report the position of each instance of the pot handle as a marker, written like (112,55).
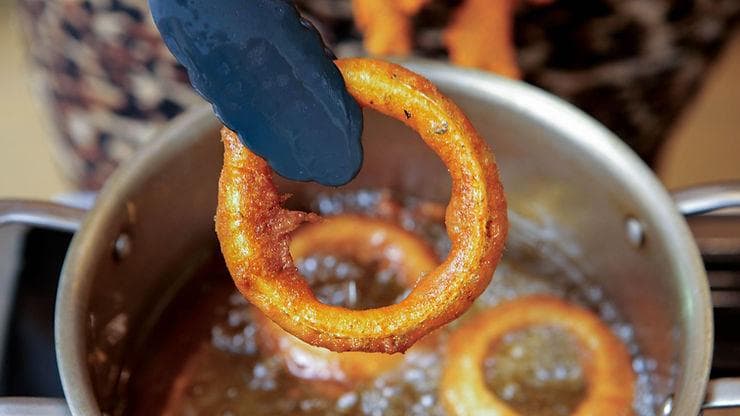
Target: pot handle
(41,214)
(704,199)
(50,216)
(32,406)
(722,393)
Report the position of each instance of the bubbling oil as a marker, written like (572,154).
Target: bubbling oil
(537,371)
(205,358)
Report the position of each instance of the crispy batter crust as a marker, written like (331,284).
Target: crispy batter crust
(607,363)
(254,229)
(368,241)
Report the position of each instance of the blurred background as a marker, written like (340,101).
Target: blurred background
(86,83)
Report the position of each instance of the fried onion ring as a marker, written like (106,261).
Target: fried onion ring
(480,35)
(367,241)
(386,24)
(253,228)
(607,363)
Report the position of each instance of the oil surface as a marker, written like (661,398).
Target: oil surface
(204,358)
(537,371)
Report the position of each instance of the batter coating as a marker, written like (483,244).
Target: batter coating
(254,229)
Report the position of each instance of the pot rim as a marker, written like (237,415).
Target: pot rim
(576,128)
(75,284)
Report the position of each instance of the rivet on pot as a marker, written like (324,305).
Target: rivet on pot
(635,232)
(122,246)
(667,407)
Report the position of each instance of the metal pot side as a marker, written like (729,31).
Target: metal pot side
(561,169)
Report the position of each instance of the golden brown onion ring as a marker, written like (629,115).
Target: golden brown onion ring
(317,363)
(607,364)
(386,24)
(253,228)
(367,241)
(480,35)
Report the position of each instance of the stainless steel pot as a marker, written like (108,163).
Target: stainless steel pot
(154,219)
